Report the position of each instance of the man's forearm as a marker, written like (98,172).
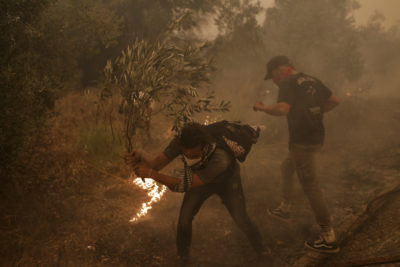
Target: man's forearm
(150,163)
(333,101)
(329,106)
(166,180)
(275,110)
(157,163)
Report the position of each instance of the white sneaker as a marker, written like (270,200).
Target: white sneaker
(326,242)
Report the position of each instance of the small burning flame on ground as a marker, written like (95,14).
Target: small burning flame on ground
(154,191)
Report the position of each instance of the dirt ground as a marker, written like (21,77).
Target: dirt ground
(88,224)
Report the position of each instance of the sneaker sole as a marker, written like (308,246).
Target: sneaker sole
(279,217)
(330,251)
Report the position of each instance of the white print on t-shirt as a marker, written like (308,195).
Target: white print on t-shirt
(302,79)
(311,90)
(315,110)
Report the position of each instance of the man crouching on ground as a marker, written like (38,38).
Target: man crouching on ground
(209,170)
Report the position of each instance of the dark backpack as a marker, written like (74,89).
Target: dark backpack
(235,138)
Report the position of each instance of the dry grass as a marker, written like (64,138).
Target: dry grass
(64,205)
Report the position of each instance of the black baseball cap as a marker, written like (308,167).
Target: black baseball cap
(274,63)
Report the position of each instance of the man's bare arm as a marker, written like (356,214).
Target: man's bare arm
(333,101)
(278,109)
(135,157)
(158,163)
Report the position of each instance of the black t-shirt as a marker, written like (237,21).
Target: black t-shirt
(217,168)
(306,96)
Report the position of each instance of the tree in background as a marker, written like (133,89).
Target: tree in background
(239,33)
(380,50)
(41,47)
(23,94)
(75,33)
(239,54)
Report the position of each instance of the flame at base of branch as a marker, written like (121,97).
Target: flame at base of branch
(154,191)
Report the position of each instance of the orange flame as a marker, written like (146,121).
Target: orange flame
(154,191)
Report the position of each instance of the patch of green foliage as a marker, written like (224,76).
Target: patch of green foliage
(100,146)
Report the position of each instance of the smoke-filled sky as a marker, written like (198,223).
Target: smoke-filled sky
(388,8)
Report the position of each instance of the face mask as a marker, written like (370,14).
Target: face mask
(283,75)
(192,162)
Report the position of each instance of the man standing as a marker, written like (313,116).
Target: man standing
(304,100)
(209,170)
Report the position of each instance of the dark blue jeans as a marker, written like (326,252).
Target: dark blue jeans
(231,192)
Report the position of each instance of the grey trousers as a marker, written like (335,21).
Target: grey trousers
(302,160)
